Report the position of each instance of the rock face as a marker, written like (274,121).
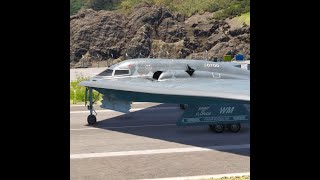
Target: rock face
(154,32)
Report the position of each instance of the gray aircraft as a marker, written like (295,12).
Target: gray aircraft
(212,93)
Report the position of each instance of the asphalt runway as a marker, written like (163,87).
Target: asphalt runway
(146,144)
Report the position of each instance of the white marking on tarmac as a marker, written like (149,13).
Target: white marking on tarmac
(131,110)
(77,105)
(157,151)
(121,127)
(140,102)
(203,177)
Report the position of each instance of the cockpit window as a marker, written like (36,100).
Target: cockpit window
(107,72)
(121,72)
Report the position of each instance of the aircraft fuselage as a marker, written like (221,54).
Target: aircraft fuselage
(164,69)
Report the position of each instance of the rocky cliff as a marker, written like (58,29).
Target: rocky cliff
(155,32)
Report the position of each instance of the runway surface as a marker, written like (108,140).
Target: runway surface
(146,144)
(85,72)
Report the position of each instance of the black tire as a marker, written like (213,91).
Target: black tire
(234,127)
(91,119)
(183,106)
(217,128)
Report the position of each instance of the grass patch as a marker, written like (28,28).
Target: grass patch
(190,7)
(233,8)
(76,5)
(245,18)
(77,93)
(224,8)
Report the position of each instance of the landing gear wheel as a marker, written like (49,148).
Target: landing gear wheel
(183,106)
(218,128)
(234,127)
(91,119)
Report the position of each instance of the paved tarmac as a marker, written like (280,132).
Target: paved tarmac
(85,72)
(146,144)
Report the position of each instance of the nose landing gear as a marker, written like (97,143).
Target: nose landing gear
(91,119)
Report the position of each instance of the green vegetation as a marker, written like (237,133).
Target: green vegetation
(231,178)
(190,7)
(245,18)
(76,5)
(77,93)
(233,8)
(103,4)
(224,8)
(127,5)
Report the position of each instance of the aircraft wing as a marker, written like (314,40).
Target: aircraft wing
(236,90)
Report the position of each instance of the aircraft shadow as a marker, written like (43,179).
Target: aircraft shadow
(160,124)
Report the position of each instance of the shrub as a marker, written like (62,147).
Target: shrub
(77,93)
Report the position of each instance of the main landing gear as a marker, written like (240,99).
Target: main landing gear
(220,128)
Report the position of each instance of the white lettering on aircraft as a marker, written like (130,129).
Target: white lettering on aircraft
(148,67)
(211,65)
(218,75)
(215,119)
(202,111)
(226,110)
(243,117)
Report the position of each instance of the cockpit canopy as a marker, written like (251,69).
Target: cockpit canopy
(107,72)
(121,72)
(116,72)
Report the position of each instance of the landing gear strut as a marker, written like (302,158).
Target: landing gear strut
(91,118)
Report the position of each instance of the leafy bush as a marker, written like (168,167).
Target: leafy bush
(76,5)
(77,93)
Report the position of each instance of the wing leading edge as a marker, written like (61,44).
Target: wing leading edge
(215,89)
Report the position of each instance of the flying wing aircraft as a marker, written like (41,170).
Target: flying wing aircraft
(216,93)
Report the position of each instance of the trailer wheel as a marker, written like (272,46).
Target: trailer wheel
(234,127)
(217,128)
(183,106)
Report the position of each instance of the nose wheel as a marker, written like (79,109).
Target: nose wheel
(91,119)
